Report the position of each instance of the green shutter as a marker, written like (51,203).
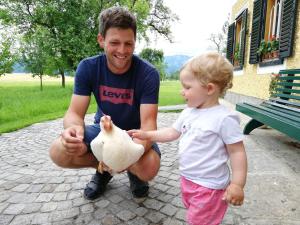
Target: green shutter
(256,31)
(243,37)
(288,21)
(230,40)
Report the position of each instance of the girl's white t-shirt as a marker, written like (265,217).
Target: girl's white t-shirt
(202,152)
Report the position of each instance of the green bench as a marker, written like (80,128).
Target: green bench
(281,111)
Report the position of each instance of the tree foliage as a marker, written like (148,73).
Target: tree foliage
(67,29)
(155,57)
(6,57)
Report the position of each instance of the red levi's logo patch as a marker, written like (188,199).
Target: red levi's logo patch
(116,95)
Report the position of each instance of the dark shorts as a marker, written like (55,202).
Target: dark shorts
(91,131)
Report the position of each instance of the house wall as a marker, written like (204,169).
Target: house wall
(253,81)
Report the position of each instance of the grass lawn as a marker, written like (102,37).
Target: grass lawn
(22,103)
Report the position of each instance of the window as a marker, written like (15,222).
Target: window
(273,26)
(236,40)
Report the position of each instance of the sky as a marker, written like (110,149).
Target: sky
(198,19)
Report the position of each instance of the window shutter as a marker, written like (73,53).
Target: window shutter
(256,30)
(243,37)
(230,40)
(287,30)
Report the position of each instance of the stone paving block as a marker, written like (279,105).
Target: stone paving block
(102,203)
(14,209)
(74,194)
(116,198)
(138,221)
(141,211)
(169,210)
(5,219)
(87,208)
(35,188)
(60,196)
(49,206)
(153,204)
(22,198)
(32,208)
(63,205)
(44,197)
(110,220)
(125,215)
(172,221)
(20,187)
(64,214)
(162,187)
(177,202)
(40,218)
(155,217)
(84,218)
(100,213)
(181,214)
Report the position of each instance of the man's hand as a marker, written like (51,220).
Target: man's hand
(72,140)
(234,194)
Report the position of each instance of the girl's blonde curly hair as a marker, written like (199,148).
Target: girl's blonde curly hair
(211,68)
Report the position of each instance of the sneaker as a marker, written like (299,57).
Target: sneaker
(97,185)
(138,187)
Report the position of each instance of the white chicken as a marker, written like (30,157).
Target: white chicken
(114,147)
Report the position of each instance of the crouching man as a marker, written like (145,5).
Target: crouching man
(126,88)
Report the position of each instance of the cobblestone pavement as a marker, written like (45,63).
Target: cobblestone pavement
(35,191)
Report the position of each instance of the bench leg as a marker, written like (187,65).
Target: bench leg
(251,125)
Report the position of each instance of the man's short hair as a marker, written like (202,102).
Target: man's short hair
(116,17)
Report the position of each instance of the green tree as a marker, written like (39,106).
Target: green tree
(71,26)
(155,57)
(7,59)
(35,57)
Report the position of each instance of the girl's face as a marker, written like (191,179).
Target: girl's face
(194,93)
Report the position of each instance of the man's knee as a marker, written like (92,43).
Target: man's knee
(148,166)
(57,156)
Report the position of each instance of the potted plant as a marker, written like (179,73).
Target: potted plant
(275,47)
(236,55)
(262,50)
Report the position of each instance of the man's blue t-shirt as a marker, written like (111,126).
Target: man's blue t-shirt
(118,95)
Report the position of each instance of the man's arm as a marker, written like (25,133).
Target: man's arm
(76,111)
(148,114)
(73,134)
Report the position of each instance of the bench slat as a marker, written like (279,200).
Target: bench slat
(289,78)
(287,96)
(278,109)
(289,90)
(295,104)
(292,110)
(287,84)
(290,71)
(286,115)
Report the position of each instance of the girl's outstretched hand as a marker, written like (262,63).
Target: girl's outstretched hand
(142,135)
(234,194)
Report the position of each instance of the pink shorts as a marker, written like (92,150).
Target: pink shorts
(204,206)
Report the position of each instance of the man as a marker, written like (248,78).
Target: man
(125,88)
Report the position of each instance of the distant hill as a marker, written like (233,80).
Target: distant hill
(175,62)
(19,68)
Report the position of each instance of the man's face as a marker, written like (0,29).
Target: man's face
(118,45)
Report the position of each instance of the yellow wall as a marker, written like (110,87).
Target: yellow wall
(248,82)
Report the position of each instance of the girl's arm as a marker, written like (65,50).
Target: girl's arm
(234,193)
(162,135)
